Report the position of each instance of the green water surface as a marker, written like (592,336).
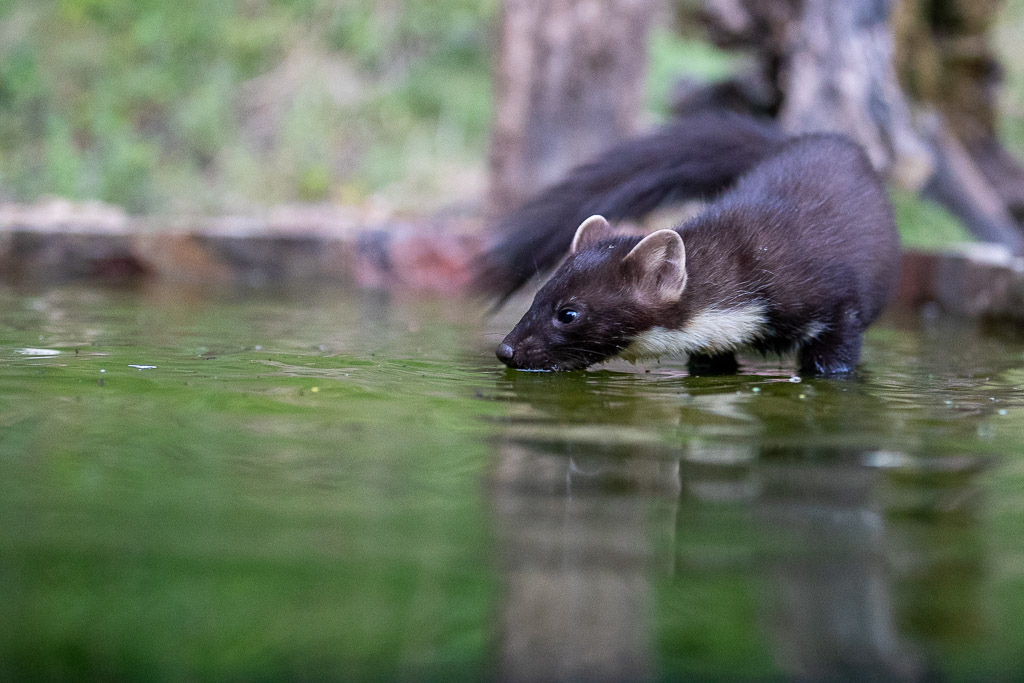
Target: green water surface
(345,485)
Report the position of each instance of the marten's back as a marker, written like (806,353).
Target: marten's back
(812,224)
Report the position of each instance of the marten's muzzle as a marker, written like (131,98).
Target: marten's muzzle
(524,354)
(505,353)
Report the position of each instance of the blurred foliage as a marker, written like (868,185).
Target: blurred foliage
(924,224)
(673,57)
(194,105)
(1009,37)
(197,107)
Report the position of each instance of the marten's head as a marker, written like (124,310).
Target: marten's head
(609,290)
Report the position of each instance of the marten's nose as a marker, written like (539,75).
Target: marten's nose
(504,352)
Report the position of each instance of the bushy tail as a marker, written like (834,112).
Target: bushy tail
(696,156)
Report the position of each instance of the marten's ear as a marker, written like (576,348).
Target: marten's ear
(660,263)
(591,231)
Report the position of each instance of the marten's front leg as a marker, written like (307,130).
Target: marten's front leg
(712,364)
(834,352)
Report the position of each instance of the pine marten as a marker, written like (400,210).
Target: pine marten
(800,253)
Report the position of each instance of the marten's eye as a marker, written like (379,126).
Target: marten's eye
(567,315)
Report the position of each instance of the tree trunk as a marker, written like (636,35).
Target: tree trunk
(945,59)
(840,77)
(569,82)
(911,80)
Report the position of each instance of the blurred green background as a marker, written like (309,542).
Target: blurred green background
(198,106)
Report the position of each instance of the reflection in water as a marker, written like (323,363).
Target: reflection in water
(313,485)
(833,612)
(576,554)
(627,560)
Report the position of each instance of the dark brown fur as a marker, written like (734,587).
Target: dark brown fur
(697,156)
(807,236)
